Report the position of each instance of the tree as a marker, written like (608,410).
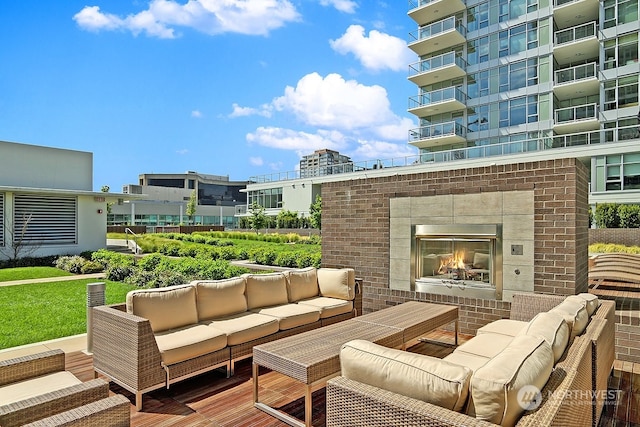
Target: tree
(192,205)
(315,210)
(20,244)
(258,219)
(105,189)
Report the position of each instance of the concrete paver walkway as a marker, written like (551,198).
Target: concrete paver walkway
(54,279)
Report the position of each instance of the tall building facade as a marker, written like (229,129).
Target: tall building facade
(324,162)
(501,78)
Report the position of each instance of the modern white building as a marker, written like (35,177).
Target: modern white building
(47,206)
(167,195)
(502,81)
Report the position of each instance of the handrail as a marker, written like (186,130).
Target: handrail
(127,230)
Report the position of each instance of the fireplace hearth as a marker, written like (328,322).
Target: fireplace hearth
(460,259)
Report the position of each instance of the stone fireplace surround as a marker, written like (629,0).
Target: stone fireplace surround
(543,203)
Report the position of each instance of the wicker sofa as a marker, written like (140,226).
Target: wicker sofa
(36,390)
(161,336)
(573,394)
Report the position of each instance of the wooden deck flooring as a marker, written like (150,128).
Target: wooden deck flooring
(212,399)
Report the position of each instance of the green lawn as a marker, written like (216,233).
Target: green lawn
(23,273)
(43,311)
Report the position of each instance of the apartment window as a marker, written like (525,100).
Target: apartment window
(478,17)
(621,51)
(1,219)
(518,111)
(478,118)
(613,169)
(503,10)
(45,219)
(532,5)
(620,12)
(270,198)
(622,92)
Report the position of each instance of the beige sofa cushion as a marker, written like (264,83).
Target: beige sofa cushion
(165,308)
(244,327)
(291,315)
(527,361)
(553,328)
(485,345)
(507,327)
(413,375)
(37,386)
(590,301)
(178,345)
(302,284)
(471,361)
(574,313)
(264,290)
(329,307)
(218,298)
(337,283)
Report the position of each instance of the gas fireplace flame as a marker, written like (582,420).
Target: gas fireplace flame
(453,262)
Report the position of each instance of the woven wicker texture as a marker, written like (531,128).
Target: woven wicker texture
(526,306)
(112,411)
(30,366)
(313,355)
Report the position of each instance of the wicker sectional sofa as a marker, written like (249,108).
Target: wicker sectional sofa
(161,336)
(561,347)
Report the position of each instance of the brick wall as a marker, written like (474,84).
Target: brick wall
(355,228)
(621,236)
(628,336)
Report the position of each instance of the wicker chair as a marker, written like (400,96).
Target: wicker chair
(58,397)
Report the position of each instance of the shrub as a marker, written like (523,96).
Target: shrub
(72,264)
(119,273)
(150,262)
(90,267)
(287,259)
(606,215)
(629,216)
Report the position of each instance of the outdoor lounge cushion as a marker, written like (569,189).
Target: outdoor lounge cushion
(165,308)
(329,307)
(526,362)
(291,315)
(471,361)
(37,386)
(337,283)
(219,298)
(302,283)
(244,327)
(178,345)
(507,327)
(264,290)
(574,313)
(589,301)
(553,328)
(485,345)
(413,375)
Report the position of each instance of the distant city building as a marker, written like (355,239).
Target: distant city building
(324,162)
(167,196)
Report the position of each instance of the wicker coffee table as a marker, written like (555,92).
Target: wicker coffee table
(313,357)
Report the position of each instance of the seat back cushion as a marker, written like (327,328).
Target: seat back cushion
(165,308)
(574,313)
(413,375)
(526,362)
(589,301)
(264,290)
(302,284)
(553,328)
(337,282)
(219,298)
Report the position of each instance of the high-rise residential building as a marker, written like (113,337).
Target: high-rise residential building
(502,78)
(324,162)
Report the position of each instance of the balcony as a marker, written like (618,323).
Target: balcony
(574,82)
(437,102)
(437,36)
(570,13)
(425,11)
(576,44)
(437,69)
(580,118)
(440,134)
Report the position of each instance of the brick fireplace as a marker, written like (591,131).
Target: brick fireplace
(541,207)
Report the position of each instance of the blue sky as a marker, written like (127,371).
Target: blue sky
(224,87)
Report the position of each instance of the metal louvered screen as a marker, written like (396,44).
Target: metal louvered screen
(2,225)
(39,219)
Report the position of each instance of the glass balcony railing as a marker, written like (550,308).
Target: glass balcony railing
(575,33)
(558,3)
(436,62)
(577,73)
(414,4)
(437,130)
(612,135)
(437,96)
(436,28)
(580,112)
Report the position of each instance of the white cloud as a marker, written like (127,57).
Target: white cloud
(379,51)
(346,6)
(183,151)
(196,114)
(368,150)
(251,17)
(238,111)
(256,161)
(301,142)
(332,102)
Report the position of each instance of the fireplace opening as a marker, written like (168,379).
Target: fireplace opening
(460,259)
